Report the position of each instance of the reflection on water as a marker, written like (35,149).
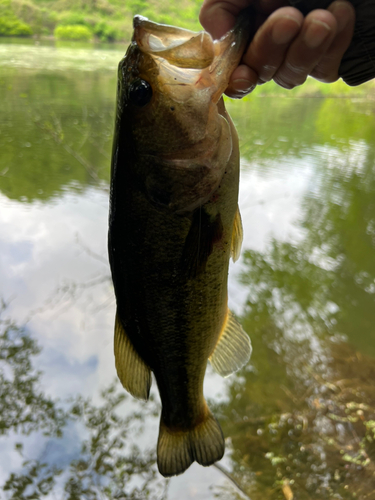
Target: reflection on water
(59,55)
(299,419)
(106,460)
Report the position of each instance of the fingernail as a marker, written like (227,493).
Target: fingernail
(242,87)
(284,30)
(316,33)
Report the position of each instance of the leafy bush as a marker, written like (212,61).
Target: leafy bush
(11,26)
(72,18)
(38,19)
(73,32)
(106,32)
(108,20)
(137,6)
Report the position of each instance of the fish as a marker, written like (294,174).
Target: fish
(174,224)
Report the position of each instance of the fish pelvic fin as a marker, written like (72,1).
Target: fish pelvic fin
(233,349)
(177,450)
(237,236)
(132,371)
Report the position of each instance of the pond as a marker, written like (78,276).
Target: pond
(299,419)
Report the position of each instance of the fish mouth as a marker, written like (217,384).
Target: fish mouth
(193,56)
(182,48)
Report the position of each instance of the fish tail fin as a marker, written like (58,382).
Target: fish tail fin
(177,450)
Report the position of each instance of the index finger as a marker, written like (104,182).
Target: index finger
(218,17)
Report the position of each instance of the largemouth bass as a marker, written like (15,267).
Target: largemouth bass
(174,224)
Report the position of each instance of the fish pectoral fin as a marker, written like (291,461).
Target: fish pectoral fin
(237,236)
(204,231)
(177,449)
(233,349)
(132,371)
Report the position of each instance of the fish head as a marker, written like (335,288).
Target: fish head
(170,85)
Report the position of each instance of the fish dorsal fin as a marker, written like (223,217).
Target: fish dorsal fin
(204,232)
(132,371)
(237,236)
(233,349)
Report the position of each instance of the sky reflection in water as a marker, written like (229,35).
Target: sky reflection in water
(298,417)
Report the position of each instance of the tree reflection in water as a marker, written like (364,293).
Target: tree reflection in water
(23,406)
(299,421)
(107,466)
(302,418)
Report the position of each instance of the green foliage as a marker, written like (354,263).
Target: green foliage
(72,18)
(14,27)
(105,32)
(109,20)
(10,24)
(137,6)
(40,19)
(73,32)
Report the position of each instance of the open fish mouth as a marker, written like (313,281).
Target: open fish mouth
(182,48)
(192,57)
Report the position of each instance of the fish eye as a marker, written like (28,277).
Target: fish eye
(140,92)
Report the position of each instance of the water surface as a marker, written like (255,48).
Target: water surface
(299,419)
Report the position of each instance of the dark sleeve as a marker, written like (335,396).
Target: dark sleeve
(358,64)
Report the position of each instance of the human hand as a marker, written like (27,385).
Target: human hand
(287,47)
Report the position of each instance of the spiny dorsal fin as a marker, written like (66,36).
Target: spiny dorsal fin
(204,232)
(233,349)
(178,449)
(237,236)
(132,371)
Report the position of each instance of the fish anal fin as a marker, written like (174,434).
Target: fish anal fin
(204,231)
(177,450)
(233,349)
(237,236)
(132,371)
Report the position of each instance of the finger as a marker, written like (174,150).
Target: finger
(305,52)
(267,50)
(218,17)
(242,82)
(327,70)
